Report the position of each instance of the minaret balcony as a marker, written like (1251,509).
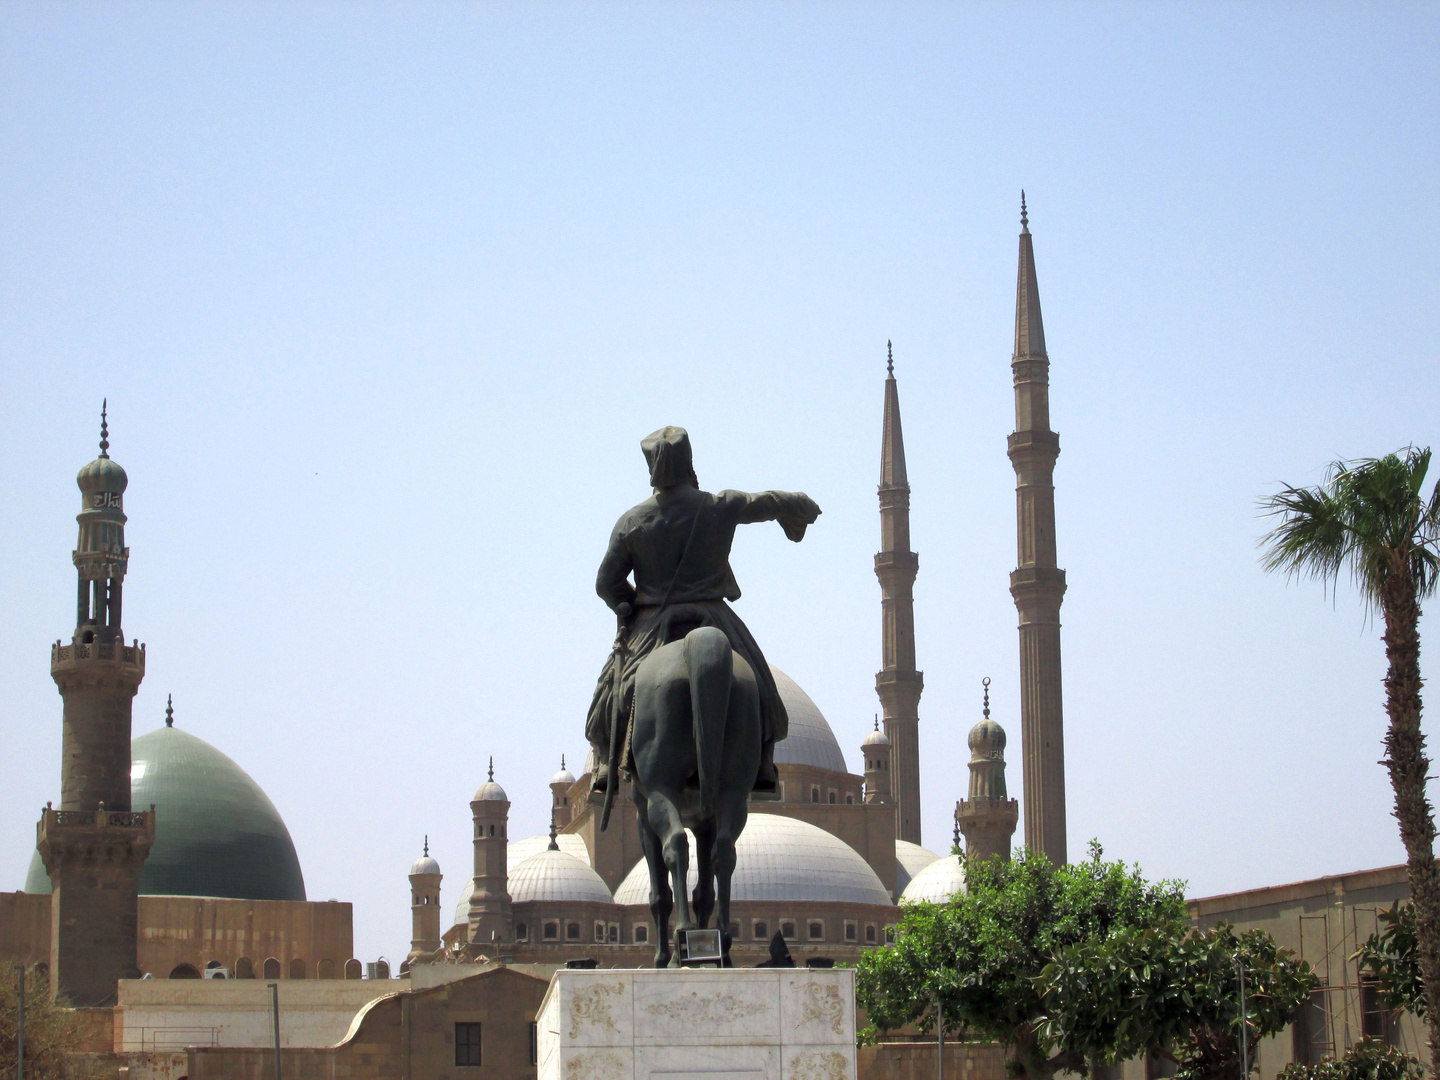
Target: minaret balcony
(114,839)
(98,660)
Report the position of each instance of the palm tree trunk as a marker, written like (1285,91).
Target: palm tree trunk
(1408,765)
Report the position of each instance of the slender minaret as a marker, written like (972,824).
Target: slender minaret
(491,919)
(560,785)
(987,817)
(898,683)
(94,847)
(1037,585)
(425,880)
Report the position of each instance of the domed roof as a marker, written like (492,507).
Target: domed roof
(910,859)
(216,831)
(781,858)
(564,776)
(987,739)
(556,876)
(424,865)
(938,882)
(516,852)
(810,742)
(876,738)
(490,791)
(102,474)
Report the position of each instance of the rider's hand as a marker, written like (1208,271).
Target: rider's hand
(623,609)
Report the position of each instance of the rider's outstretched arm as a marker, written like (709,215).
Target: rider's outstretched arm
(794,510)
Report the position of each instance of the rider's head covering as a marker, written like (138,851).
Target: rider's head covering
(667,452)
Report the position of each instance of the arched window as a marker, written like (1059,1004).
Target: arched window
(762,932)
(817,931)
(832,798)
(325,969)
(184,971)
(572,931)
(244,968)
(870,935)
(552,931)
(641,934)
(272,968)
(522,932)
(297,968)
(353,969)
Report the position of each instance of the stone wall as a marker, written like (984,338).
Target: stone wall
(917,1061)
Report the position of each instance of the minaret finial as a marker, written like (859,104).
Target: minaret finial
(1024,214)
(955,836)
(562,762)
(169,710)
(427,844)
(877,721)
(554,844)
(492,766)
(890,358)
(986,683)
(104,428)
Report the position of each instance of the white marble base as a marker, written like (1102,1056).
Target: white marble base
(698,1024)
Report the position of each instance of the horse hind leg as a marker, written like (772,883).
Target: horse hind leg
(675,847)
(661,899)
(703,898)
(732,814)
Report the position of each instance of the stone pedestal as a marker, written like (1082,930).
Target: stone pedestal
(698,1024)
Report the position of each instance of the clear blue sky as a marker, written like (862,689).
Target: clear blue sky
(384,296)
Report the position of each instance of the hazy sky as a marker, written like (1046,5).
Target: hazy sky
(384,297)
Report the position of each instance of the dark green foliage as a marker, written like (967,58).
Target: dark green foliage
(982,952)
(1392,955)
(1173,992)
(1368,1059)
(51,1031)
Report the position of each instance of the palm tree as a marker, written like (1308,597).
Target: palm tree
(1370,518)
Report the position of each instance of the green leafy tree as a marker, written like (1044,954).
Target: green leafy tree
(1174,993)
(980,954)
(1392,955)
(1372,519)
(1368,1059)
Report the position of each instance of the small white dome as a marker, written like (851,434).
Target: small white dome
(564,776)
(490,791)
(781,858)
(424,865)
(555,876)
(516,852)
(937,883)
(910,859)
(810,741)
(876,738)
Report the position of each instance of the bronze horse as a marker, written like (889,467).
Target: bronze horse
(696,748)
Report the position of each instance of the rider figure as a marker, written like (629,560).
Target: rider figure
(677,545)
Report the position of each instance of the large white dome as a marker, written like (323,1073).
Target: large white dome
(810,742)
(555,876)
(938,882)
(780,858)
(910,859)
(516,852)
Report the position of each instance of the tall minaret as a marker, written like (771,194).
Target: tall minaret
(898,683)
(1037,585)
(93,847)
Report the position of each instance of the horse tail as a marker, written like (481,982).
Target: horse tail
(711,665)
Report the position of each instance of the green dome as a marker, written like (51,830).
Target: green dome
(216,832)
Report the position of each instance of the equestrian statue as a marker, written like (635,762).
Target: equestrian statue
(686,707)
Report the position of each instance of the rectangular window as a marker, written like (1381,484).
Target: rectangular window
(467,1044)
(817,931)
(552,931)
(850,931)
(787,930)
(614,933)
(762,932)
(572,931)
(522,932)
(642,935)
(600,933)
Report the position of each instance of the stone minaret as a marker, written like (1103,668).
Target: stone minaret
(490,917)
(560,785)
(876,751)
(988,816)
(898,683)
(425,879)
(1037,585)
(94,847)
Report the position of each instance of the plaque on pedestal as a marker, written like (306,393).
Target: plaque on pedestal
(698,1024)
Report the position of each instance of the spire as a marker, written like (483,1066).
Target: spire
(169,710)
(890,358)
(986,683)
(427,845)
(877,721)
(104,428)
(955,834)
(554,844)
(492,767)
(562,762)
(1029,329)
(892,441)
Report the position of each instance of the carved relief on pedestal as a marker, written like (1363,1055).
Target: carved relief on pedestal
(818,1065)
(591,1005)
(721,1009)
(595,1065)
(821,1004)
